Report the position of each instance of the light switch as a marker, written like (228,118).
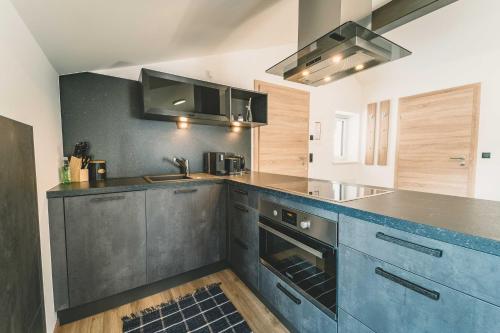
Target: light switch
(485,155)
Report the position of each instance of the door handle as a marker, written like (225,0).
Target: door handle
(434,295)
(292,241)
(410,245)
(461,159)
(192,190)
(288,294)
(241,208)
(103,199)
(241,192)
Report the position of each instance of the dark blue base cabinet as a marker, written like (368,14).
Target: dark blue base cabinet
(300,314)
(349,324)
(388,299)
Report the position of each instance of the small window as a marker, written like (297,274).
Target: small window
(346,137)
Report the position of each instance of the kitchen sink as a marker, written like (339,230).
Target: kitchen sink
(166,178)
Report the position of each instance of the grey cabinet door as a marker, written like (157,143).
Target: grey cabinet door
(349,324)
(244,242)
(301,315)
(388,299)
(185,228)
(106,245)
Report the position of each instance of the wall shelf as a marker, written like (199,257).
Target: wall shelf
(240,101)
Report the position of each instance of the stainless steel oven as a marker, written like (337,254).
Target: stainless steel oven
(301,249)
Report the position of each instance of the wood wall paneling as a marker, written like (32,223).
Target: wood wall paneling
(383,132)
(371,122)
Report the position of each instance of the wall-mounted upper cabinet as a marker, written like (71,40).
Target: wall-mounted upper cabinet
(170,97)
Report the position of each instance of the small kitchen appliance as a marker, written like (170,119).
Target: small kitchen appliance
(214,163)
(233,166)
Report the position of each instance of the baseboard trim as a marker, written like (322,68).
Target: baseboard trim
(90,309)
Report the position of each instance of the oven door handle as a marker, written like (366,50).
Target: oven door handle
(291,240)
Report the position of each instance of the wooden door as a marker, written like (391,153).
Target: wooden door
(437,141)
(282,146)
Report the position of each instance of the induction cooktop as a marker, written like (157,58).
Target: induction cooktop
(332,191)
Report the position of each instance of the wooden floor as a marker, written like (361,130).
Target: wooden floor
(260,319)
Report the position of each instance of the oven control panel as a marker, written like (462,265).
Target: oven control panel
(312,225)
(289,217)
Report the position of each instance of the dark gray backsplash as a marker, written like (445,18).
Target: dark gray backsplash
(106,112)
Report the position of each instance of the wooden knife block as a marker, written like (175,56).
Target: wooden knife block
(77,173)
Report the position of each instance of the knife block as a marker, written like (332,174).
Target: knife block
(75,167)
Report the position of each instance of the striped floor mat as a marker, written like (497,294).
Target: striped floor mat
(207,310)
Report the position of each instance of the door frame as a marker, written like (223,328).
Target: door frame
(476,87)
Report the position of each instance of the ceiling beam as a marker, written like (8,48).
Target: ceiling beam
(399,12)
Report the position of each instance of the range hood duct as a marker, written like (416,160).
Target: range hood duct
(326,55)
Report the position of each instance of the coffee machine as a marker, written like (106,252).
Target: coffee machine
(235,164)
(214,163)
(222,164)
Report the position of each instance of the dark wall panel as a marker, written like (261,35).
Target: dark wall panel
(21,295)
(106,111)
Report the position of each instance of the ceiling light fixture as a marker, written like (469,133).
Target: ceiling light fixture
(359,67)
(327,79)
(305,73)
(179,102)
(337,59)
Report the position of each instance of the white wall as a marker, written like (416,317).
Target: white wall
(346,96)
(454,46)
(29,93)
(238,69)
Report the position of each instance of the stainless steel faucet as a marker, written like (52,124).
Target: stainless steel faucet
(183,165)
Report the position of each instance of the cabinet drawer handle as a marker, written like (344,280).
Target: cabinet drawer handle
(434,295)
(238,242)
(241,192)
(191,190)
(241,208)
(288,294)
(103,199)
(417,247)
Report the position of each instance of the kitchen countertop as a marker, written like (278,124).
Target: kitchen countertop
(467,222)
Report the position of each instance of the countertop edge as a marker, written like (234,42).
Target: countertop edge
(477,243)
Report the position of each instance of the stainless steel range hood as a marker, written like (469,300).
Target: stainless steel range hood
(327,55)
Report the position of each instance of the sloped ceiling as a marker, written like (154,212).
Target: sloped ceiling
(94,34)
